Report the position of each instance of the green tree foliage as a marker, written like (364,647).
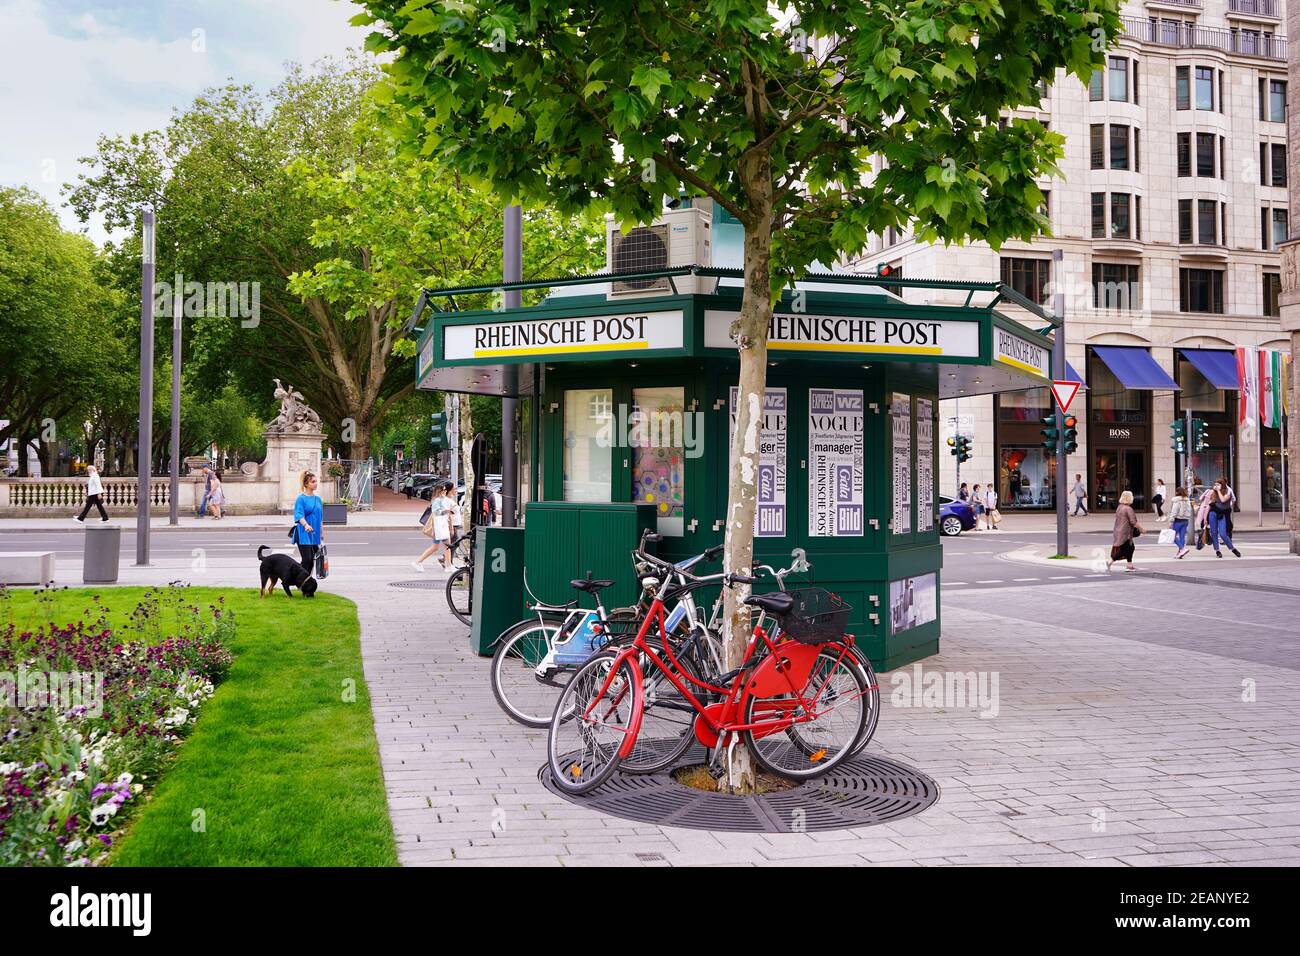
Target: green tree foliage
(814,123)
(302,191)
(61,354)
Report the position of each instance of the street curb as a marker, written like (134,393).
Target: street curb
(1219,582)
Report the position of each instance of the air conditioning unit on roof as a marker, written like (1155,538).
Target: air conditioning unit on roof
(680,237)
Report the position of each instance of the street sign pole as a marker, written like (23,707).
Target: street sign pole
(177,304)
(512,270)
(1058,373)
(144,446)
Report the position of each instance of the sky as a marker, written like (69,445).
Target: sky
(73,70)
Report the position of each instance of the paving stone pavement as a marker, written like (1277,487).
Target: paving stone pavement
(1103,751)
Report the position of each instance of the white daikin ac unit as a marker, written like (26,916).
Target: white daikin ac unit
(680,237)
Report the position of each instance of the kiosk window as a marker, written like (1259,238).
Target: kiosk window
(588,419)
(659,441)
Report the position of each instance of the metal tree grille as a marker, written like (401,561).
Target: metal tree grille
(863,792)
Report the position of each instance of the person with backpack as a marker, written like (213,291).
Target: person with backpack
(1180,514)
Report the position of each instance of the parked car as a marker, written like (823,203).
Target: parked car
(955,516)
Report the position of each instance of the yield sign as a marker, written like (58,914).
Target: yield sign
(1065,392)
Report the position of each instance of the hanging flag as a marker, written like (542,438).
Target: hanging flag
(1266,382)
(1247,375)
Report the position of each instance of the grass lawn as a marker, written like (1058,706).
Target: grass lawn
(283,761)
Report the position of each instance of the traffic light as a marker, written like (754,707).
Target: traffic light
(952,447)
(1178,435)
(1200,439)
(887,271)
(963,449)
(1050,434)
(437,431)
(1071,437)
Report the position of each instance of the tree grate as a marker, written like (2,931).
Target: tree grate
(862,792)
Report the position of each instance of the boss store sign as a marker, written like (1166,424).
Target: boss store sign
(1122,434)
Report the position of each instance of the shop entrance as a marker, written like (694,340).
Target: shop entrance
(1116,470)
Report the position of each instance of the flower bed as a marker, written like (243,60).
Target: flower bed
(90,718)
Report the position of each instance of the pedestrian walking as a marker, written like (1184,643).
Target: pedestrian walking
(207,490)
(94,495)
(991,507)
(437,527)
(1180,515)
(977,499)
(456,516)
(1232,495)
(308,516)
(1080,493)
(216,497)
(1126,529)
(1158,499)
(1220,511)
(1202,523)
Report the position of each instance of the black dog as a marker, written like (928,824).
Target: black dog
(284,570)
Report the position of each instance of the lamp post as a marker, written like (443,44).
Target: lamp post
(144,448)
(512,270)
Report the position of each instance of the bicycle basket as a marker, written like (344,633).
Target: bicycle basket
(816,617)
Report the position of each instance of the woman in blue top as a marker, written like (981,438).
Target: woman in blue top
(307,518)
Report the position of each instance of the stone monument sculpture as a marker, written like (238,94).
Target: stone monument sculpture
(293,441)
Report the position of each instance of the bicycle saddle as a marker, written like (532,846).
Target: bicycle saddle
(590,586)
(777,602)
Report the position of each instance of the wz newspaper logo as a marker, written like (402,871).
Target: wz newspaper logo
(77,909)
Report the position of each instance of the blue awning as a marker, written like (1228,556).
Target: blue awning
(1135,368)
(1071,375)
(1217,365)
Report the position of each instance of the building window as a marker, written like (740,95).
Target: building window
(1279,227)
(655,410)
(1184,154)
(1119,216)
(1029,277)
(1205,154)
(1272,100)
(1099,215)
(1204,88)
(1183,87)
(1098,136)
(587,458)
(1272,289)
(1278,151)
(1200,290)
(1119,79)
(1096,85)
(1207,222)
(1046,207)
(1115,286)
(1185,221)
(1272,227)
(1118,146)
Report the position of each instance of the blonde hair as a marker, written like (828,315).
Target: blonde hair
(305,477)
(1126,498)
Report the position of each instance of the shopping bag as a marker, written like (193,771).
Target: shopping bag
(1167,536)
(322,563)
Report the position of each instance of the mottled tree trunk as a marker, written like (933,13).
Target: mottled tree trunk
(466,438)
(750,332)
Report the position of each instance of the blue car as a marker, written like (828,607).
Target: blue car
(955,516)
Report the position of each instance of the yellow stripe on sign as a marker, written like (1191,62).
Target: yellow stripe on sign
(1022,365)
(847,347)
(561,349)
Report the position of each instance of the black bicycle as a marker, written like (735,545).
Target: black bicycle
(460,586)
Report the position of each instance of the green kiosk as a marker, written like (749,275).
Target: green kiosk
(627,387)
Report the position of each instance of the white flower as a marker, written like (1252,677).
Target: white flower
(74,846)
(101,814)
(137,787)
(124,779)
(8,768)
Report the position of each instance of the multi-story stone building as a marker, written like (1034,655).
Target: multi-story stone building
(1170,209)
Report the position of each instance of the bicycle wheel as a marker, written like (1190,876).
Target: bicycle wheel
(837,692)
(460,595)
(667,717)
(527,697)
(596,713)
(871,702)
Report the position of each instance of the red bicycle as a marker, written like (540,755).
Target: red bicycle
(796,700)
